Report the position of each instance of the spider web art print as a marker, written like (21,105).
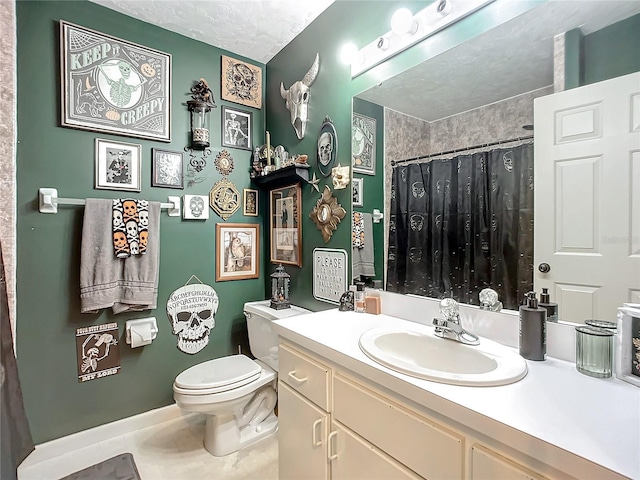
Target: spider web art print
(114,86)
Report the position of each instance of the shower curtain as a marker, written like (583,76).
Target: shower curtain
(15,436)
(463,224)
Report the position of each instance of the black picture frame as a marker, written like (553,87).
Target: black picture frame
(327,147)
(167,168)
(140,107)
(237,128)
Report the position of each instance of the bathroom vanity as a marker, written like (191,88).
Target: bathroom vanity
(344,416)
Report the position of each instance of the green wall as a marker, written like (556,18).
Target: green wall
(48,246)
(612,51)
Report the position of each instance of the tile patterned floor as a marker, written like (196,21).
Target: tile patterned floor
(172,450)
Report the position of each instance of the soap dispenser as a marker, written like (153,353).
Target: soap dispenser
(548,305)
(533,333)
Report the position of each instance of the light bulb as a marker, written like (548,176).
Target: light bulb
(402,22)
(348,53)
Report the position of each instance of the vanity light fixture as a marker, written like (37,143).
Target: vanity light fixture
(199,106)
(348,53)
(408,29)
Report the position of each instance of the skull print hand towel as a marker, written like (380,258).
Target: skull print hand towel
(125,284)
(130,227)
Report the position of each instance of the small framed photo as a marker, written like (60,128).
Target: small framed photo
(237,250)
(117,165)
(357,186)
(628,349)
(236,128)
(250,202)
(166,169)
(363,144)
(285,225)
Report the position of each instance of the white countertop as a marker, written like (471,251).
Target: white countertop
(597,419)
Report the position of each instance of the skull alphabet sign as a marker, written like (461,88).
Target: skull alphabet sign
(191,310)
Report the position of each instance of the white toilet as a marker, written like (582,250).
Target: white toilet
(236,393)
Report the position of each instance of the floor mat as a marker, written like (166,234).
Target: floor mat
(120,467)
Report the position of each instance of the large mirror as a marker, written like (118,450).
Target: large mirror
(474,95)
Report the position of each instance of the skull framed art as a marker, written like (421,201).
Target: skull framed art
(195,207)
(241,82)
(327,147)
(117,165)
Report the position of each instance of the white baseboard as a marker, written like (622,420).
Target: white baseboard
(60,446)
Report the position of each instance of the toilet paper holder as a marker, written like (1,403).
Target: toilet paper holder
(141,331)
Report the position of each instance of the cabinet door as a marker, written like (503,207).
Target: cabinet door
(302,435)
(353,458)
(487,465)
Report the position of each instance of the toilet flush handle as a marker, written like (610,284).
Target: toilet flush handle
(293,377)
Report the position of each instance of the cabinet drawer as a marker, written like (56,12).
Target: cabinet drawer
(423,446)
(305,375)
(488,465)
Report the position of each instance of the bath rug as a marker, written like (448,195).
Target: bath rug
(120,467)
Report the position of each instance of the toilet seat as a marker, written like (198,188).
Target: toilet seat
(218,375)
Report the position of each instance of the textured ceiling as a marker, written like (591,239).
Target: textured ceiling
(511,59)
(256,29)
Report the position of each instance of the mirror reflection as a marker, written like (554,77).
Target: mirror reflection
(458,154)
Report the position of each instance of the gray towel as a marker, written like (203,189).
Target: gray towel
(125,284)
(363,257)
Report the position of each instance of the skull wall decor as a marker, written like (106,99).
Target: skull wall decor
(297,98)
(341,177)
(191,310)
(195,207)
(327,147)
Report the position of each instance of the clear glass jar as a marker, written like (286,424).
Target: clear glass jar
(594,351)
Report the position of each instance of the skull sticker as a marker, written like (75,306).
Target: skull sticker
(191,310)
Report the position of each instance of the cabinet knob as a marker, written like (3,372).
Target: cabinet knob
(544,267)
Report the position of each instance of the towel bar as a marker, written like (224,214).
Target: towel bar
(48,202)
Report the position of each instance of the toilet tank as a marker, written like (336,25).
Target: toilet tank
(263,341)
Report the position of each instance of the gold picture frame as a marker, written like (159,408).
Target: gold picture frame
(237,251)
(285,207)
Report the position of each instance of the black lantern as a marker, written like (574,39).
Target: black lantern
(280,289)
(200,105)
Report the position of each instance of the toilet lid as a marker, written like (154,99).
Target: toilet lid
(221,372)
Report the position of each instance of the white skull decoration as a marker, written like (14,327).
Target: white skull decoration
(325,148)
(192,309)
(416,222)
(341,177)
(508,162)
(297,99)
(196,204)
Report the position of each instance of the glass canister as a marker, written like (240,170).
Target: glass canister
(594,351)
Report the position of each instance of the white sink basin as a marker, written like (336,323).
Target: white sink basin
(421,354)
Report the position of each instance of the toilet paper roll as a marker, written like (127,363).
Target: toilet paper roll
(141,335)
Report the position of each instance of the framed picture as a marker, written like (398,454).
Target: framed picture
(241,82)
(117,165)
(285,225)
(194,207)
(166,169)
(236,128)
(237,250)
(250,202)
(363,144)
(627,366)
(357,192)
(110,85)
(327,147)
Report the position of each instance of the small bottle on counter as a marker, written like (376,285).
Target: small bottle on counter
(533,329)
(359,305)
(548,305)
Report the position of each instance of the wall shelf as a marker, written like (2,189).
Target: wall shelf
(284,176)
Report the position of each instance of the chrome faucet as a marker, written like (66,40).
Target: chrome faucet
(449,326)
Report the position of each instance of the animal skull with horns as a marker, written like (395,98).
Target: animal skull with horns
(297,98)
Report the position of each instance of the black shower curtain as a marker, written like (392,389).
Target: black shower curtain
(15,436)
(462,224)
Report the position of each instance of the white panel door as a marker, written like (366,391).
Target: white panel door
(587,198)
